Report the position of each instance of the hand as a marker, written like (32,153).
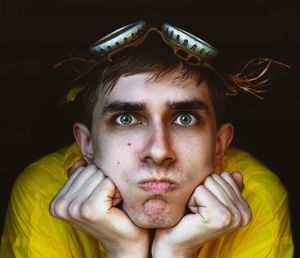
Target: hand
(217,208)
(88,201)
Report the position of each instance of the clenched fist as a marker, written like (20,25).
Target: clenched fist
(88,201)
(217,208)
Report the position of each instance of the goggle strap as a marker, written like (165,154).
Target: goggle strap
(133,43)
(176,47)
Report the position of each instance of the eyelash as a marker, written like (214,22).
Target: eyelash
(139,120)
(194,116)
(116,117)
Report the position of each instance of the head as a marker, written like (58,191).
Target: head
(156,127)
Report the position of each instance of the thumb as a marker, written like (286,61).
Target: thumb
(200,200)
(238,178)
(108,193)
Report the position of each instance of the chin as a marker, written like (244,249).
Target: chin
(154,214)
(156,223)
(143,220)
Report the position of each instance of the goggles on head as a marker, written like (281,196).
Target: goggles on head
(117,44)
(186,46)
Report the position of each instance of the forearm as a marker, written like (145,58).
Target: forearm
(175,252)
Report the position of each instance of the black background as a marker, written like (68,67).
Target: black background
(34,35)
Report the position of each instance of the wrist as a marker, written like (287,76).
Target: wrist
(128,251)
(176,252)
(128,254)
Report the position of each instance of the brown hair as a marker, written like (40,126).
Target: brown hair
(156,58)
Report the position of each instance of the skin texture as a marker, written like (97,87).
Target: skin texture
(151,152)
(155,148)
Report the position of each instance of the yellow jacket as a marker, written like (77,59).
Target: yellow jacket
(30,231)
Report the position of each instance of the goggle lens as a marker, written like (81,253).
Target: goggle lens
(185,45)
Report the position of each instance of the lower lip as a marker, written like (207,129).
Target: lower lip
(154,186)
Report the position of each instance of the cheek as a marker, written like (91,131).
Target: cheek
(110,148)
(116,156)
(196,154)
(196,144)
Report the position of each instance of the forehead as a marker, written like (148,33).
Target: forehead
(146,89)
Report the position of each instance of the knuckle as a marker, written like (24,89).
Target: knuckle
(226,174)
(237,218)
(224,218)
(87,211)
(74,209)
(208,181)
(91,167)
(52,207)
(72,172)
(99,177)
(199,190)
(247,218)
(59,207)
(88,170)
(215,176)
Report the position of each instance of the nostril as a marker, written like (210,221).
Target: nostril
(158,147)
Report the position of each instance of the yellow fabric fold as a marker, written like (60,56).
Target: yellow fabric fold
(30,231)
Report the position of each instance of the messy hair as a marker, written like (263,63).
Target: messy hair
(157,59)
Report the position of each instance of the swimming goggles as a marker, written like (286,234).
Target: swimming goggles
(186,46)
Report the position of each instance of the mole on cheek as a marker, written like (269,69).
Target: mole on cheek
(129,143)
(118,163)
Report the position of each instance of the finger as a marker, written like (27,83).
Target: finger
(60,203)
(64,189)
(238,178)
(218,190)
(233,195)
(228,191)
(223,192)
(100,200)
(237,200)
(79,163)
(83,194)
(80,180)
(229,178)
(203,201)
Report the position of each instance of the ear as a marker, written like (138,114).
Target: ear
(224,138)
(83,138)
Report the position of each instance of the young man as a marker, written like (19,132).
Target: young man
(152,180)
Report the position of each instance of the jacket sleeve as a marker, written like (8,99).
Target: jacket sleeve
(269,232)
(26,231)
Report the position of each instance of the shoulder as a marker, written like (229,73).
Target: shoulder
(43,177)
(263,190)
(269,229)
(257,177)
(33,191)
(29,228)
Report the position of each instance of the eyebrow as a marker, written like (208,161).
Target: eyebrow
(194,104)
(119,106)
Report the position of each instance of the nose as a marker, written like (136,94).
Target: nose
(158,147)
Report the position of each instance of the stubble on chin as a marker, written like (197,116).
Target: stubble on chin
(148,220)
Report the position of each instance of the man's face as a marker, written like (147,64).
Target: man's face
(156,140)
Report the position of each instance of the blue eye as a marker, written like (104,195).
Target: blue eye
(186,119)
(126,120)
